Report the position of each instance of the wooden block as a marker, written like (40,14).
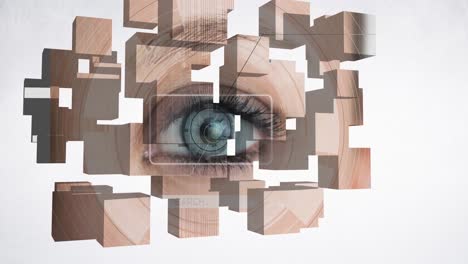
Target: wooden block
(296,184)
(285,22)
(126,220)
(292,153)
(345,83)
(341,167)
(155,64)
(92,36)
(284,209)
(193,208)
(351,169)
(81,211)
(67,186)
(109,151)
(325,128)
(332,129)
(203,21)
(234,193)
(141,13)
(193,217)
(247,55)
(326,66)
(106,69)
(96,96)
(289,84)
(167,187)
(345,36)
(91,189)
(59,67)
(75,217)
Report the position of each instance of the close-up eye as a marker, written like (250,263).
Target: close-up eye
(257,107)
(187,127)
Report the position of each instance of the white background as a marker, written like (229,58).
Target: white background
(415,122)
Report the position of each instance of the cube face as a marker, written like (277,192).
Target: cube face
(74,217)
(92,36)
(285,22)
(349,170)
(193,217)
(344,82)
(102,98)
(233,193)
(126,222)
(250,53)
(81,211)
(276,210)
(167,187)
(141,13)
(189,20)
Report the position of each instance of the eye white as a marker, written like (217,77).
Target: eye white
(170,140)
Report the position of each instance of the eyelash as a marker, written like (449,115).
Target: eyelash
(255,112)
(260,116)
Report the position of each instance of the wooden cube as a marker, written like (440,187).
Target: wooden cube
(141,13)
(92,36)
(81,211)
(284,209)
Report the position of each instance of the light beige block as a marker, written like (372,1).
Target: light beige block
(233,194)
(141,13)
(276,210)
(81,211)
(187,220)
(92,36)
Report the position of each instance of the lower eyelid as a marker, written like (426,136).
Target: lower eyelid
(179,154)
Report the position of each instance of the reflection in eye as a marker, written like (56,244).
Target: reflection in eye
(191,128)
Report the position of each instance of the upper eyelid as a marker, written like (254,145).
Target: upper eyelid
(188,90)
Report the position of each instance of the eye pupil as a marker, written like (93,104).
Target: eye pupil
(213,131)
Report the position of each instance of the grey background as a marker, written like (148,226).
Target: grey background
(415,122)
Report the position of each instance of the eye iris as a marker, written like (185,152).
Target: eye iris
(206,131)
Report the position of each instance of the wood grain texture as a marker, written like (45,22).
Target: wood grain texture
(194,216)
(81,211)
(141,13)
(284,209)
(233,194)
(92,36)
(203,21)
